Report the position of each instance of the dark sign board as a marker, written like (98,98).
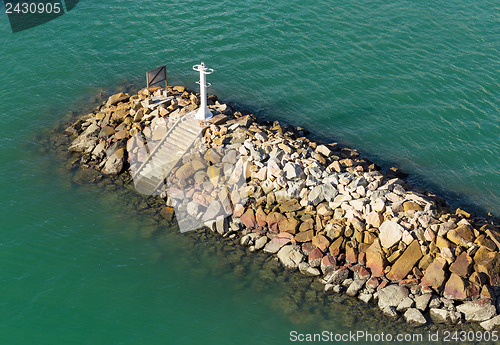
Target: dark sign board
(157,76)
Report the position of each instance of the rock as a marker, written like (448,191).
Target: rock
(405,304)
(439,315)
(117,98)
(491,267)
(365,297)
(390,312)
(306,269)
(304,236)
(248,219)
(475,311)
(289,206)
(435,274)
(391,296)
(212,212)
(328,264)
(351,252)
(490,324)
(422,301)
(289,225)
(325,151)
(316,195)
(261,217)
(114,163)
(290,256)
(314,258)
(462,266)
(329,192)
(374,219)
(455,288)
(292,171)
(411,206)
(390,233)
(337,277)
(375,259)
(222,225)
(414,317)
(336,246)
(354,288)
(405,263)
(276,244)
(321,242)
(260,242)
(273,219)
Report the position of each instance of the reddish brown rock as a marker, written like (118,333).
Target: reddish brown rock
(273,219)
(260,217)
(351,252)
(491,267)
(248,219)
(276,244)
(462,265)
(289,225)
(375,259)
(321,242)
(328,264)
(314,258)
(289,206)
(307,248)
(304,236)
(336,246)
(405,263)
(466,232)
(373,283)
(455,288)
(307,225)
(493,235)
(435,274)
(362,258)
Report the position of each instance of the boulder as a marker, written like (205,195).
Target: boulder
(422,301)
(276,244)
(405,263)
(248,219)
(304,236)
(289,225)
(414,317)
(316,195)
(117,98)
(321,242)
(462,266)
(261,242)
(491,267)
(491,324)
(375,259)
(114,163)
(390,233)
(477,311)
(355,287)
(306,269)
(273,219)
(328,264)
(289,206)
(374,219)
(455,288)
(440,315)
(435,274)
(391,296)
(290,256)
(314,258)
(337,277)
(405,304)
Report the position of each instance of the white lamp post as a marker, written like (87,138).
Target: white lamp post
(203,113)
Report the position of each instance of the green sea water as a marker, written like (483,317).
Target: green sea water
(414,84)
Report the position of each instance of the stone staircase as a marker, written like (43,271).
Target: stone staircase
(149,178)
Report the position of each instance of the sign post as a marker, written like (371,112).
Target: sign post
(203,113)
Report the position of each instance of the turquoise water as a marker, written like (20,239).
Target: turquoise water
(412,84)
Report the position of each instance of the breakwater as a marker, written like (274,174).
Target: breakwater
(320,208)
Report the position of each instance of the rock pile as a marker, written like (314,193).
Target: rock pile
(320,208)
